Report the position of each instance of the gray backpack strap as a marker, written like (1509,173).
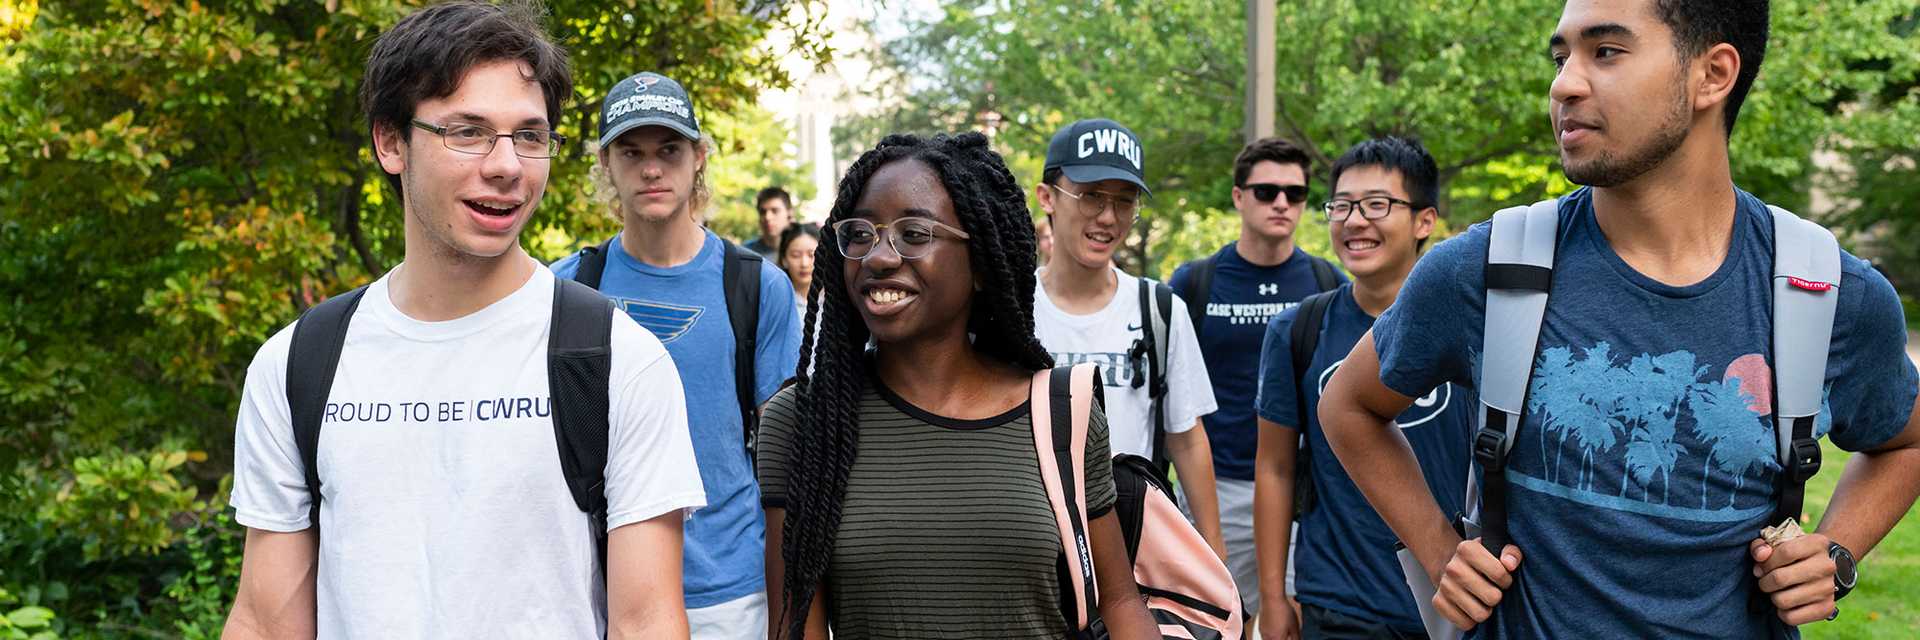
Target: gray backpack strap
(1518,276)
(1806,289)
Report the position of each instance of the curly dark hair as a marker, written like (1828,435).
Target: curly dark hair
(993,211)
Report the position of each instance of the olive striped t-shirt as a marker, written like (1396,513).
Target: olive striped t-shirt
(946,530)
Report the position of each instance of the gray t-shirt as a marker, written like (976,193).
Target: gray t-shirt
(946,530)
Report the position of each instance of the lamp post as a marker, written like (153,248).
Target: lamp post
(1260,63)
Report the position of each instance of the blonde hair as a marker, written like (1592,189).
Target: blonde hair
(607,195)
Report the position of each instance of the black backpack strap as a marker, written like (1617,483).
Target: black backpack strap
(1156,322)
(1324,274)
(312,358)
(1199,289)
(579,366)
(592,264)
(740,274)
(1304,339)
(1131,475)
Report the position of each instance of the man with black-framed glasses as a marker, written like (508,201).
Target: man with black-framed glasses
(1349,584)
(1088,310)
(1230,296)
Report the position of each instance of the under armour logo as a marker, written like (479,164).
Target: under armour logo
(1269,289)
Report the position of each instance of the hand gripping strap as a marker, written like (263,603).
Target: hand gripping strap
(1519,274)
(1062,401)
(1806,290)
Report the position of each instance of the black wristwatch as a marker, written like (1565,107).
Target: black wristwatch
(1845,573)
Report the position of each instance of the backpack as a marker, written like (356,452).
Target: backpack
(1199,288)
(1304,338)
(1519,274)
(1156,329)
(740,279)
(1188,590)
(579,363)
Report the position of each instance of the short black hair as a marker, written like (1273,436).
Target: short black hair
(1419,174)
(770,193)
(1269,150)
(1052,176)
(428,53)
(1699,24)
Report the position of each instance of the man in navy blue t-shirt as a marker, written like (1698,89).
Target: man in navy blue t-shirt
(1644,466)
(1247,282)
(1349,583)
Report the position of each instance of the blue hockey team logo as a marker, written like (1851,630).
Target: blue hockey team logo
(667,321)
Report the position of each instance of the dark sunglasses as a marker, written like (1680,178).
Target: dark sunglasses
(1265,192)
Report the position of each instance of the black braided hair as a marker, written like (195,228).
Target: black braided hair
(832,373)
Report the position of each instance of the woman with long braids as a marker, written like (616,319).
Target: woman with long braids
(903,479)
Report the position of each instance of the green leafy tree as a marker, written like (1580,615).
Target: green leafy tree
(1468,78)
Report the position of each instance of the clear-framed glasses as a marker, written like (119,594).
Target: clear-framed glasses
(1374,208)
(478,140)
(911,237)
(1123,207)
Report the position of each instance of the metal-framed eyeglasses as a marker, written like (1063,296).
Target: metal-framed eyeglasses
(911,237)
(466,137)
(1371,208)
(1123,207)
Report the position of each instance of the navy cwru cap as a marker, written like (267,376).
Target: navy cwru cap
(1099,149)
(647,99)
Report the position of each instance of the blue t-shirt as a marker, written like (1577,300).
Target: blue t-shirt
(1344,560)
(686,308)
(1645,463)
(1243,298)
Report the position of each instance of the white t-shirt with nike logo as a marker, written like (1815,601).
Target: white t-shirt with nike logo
(1105,338)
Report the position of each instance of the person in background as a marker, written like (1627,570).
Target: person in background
(797,245)
(668,272)
(1086,309)
(1380,214)
(776,213)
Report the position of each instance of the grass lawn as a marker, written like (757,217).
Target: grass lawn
(1887,603)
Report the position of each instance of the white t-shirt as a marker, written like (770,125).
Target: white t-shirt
(1104,338)
(445,513)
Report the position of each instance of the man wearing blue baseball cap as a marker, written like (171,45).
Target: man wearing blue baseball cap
(1087,310)
(725,315)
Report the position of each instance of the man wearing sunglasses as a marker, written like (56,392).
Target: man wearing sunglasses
(1230,296)
(1087,310)
(670,273)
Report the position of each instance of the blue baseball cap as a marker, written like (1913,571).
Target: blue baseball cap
(647,99)
(1099,149)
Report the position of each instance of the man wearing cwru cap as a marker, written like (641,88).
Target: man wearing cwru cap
(1087,310)
(670,273)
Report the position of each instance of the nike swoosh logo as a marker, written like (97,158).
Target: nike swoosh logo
(1133,327)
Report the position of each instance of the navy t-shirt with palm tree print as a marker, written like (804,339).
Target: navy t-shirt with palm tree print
(1645,463)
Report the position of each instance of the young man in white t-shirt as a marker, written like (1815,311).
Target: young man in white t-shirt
(1087,310)
(444,506)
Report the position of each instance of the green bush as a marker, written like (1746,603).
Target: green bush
(25,623)
(122,504)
